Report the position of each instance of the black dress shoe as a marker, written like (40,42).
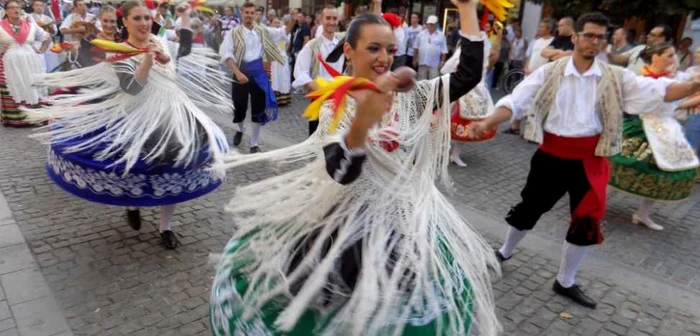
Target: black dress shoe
(133,217)
(254,149)
(237,138)
(574,293)
(511,131)
(500,257)
(169,240)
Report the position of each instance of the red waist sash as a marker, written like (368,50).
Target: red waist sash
(597,172)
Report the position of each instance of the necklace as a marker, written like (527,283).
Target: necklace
(16,27)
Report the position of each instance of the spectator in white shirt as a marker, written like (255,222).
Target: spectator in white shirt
(545,39)
(535,60)
(429,50)
(518,47)
(79,14)
(411,33)
(228,21)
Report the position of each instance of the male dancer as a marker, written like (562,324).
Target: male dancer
(244,51)
(308,67)
(576,117)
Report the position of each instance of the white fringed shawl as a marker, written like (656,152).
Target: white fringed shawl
(170,110)
(393,205)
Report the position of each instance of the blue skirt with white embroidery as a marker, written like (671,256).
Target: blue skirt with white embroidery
(146,184)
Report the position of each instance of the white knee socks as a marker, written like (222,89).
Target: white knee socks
(456,150)
(513,238)
(255,137)
(645,208)
(166,214)
(571,257)
(240,127)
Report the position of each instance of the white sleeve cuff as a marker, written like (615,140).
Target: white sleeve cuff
(302,80)
(474,38)
(508,103)
(351,153)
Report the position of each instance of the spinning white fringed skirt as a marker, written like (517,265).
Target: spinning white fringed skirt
(122,143)
(386,254)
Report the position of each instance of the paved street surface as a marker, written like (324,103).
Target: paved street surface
(110,280)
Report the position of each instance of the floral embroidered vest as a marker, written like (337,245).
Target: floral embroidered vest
(608,106)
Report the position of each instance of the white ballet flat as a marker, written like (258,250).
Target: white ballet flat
(637,219)
(458,161)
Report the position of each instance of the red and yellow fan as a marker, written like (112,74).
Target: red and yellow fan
(337,90)
(499,8)
(120,51)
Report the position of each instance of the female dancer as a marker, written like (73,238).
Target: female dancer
(19,62)
(475,105)
(360,241)
(656,162)
(281,77)
(136,133)
(87,55)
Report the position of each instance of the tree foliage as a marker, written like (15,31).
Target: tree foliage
(618,10)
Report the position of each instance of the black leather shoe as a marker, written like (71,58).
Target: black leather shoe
(133,217)
(237,138)
(169,240)
(574,293)
(254,149)
(500,257)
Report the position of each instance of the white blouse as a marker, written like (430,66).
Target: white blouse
(573,113)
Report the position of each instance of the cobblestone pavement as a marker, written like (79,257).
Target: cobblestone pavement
(110,280)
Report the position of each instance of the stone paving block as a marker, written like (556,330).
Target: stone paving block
(10,332)
(14,258)
(7,324)
(5,312)
(40,317)
(24,285)
(10,235)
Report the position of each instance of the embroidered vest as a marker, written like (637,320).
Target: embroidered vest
(316,49)
(270,51)
(608,106)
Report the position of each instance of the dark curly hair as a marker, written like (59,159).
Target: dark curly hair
(596,18)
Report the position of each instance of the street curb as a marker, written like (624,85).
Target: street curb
(656,288)
(32,310)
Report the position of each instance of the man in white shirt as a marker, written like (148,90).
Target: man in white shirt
(536,60)
(429,50)
(307,67)
(577,119)
(79,14)
(243,51)
(544,31)
(411,33)
(400,54)
(632,58)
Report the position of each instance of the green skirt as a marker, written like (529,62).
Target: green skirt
(231,283)
(634,170)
